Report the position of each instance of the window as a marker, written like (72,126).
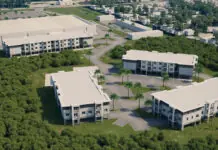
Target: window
(197,115)
(105,109)
(192,117)
(187,118)
(83,112)
(90,112)
(67,114)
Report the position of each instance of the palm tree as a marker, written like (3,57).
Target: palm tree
(89,53)
(122,74)
(127,73)
(97,72)
(107,36)
(128,85)
(198,70)
(138,87)
(101,78)
(138,97)
(109,31)
(165,77)
(148,102)
(114,97)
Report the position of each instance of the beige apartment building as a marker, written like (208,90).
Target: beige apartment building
(153,62)
(187,105)
(23,37)
(79,96)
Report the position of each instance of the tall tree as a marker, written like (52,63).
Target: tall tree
(165,77)
(198,70)
(128,85)
(138,97)
(114,97)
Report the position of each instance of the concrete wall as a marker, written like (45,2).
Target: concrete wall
(131,65)
(185,71)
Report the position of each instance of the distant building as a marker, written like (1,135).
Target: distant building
(205,37)
(144,20)
(23,37)
(212,29)
(187,105)
(144,34)
(66,2)
(135,27)
(156,14)
(105,18)
(79,96)
(146,62)
(188,32)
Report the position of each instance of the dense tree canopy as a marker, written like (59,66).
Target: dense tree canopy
(208,54)
(22,127)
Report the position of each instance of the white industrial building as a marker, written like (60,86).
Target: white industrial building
(212,29)
(66,2)
(187,105)
(79,96)
(144,20)
(144,34)
(105,18)
(205,37)
(188,32)
(153,62)
(135,27)
(33,36)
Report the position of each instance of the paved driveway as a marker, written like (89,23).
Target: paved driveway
(126,115)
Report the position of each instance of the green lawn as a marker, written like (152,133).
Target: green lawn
(105,127)
(182,137)
(82,12)
(52,115)
(210,72)
(120,33)
(108,60)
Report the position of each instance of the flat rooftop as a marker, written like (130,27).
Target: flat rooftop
(167,57)
(78,87)
(186,98)
(136,25)
(40,24)
(52,36)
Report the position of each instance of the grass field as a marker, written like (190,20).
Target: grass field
(52,115)
(82,12)
(108,60)
(210,72)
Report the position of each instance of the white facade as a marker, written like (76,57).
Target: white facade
(79,96)
(135,27)
(48,34)
(212,29)
(145,34)
(145,62)
(187,104)
(66,2)
(205,37)
(105,18)
(188,32)
(144,20)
